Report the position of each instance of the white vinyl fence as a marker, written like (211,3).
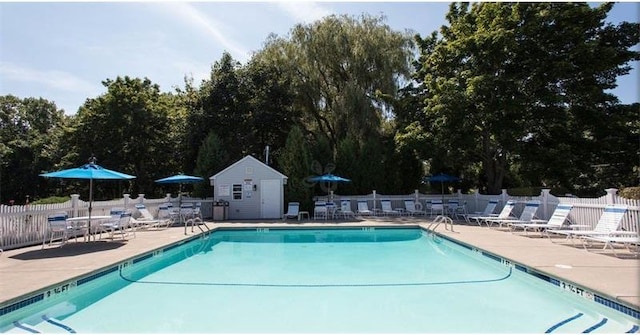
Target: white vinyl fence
(27,225)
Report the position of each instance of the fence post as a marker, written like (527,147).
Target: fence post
(140,198)
(74,204)
(545,202)
(611,195)
(374,200)
(417,195)
(168,197)
(127,199)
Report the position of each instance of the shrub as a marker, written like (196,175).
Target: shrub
(630,193)
(50,200)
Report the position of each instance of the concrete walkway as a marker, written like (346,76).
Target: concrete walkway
(27,270)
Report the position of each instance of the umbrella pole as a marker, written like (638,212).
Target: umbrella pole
(180,208)
(90,208)
(442,194)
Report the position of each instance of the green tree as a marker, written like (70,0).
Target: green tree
(344,71)
(295,162)
(212,158)
(507,84)
(127,129)
(220,107)
(29,131)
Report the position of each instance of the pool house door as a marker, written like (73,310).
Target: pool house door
(271,197)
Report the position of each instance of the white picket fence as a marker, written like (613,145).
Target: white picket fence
(27,225)
(586,211)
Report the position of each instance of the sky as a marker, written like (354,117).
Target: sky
(62,51)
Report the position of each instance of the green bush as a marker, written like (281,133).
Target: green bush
(51,200)
(630,193)
(536,191)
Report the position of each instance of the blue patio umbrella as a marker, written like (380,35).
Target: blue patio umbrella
(180,179)
(331,178)
(442,178)
(328,178)
(89,171)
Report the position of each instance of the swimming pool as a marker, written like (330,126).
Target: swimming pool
(316,280)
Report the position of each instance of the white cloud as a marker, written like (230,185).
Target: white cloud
(194,17)
(304,12)
(58,80)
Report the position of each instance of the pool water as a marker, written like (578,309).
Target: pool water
(321,281)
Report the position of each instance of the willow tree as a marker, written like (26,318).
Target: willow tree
(513,87)
(344,71)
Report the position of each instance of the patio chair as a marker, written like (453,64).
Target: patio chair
(487,212)
(632,239)
(58,225)
(363,208)
(293,211)
(455,209)
(165,212)
(146,220)
(413,208)
(345,209)
(436,208)
(607,225)
(528,214)
(505,213)
(121,225)
(558,218)
(320,210)
(386,208)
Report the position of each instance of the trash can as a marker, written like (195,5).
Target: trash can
(220,210)
(225,205)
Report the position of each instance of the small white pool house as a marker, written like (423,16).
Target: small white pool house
(253,190)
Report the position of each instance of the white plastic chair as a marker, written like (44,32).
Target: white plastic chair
(413,208)
(345,209)
(320,210)
(293,211)
(121,225)
(363,208)
(58,225)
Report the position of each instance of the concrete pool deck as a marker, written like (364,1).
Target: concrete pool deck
(27,270)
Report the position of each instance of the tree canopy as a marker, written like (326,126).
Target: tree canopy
(503,95)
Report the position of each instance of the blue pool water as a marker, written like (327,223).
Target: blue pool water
(317,281)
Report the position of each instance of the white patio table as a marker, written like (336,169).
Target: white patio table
(79,221)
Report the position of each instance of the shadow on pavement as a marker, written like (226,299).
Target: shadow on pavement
(69,249)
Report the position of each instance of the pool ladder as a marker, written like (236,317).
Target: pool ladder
(196,222)
(439,220)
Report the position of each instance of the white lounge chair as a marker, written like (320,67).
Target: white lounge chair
(413,208)
(505,213)
(528,214)
(146,219)
(487,212)
(557,220)
(609,241)
(293,211)
(345,209)
(363,208)
(387,209)
(607,225)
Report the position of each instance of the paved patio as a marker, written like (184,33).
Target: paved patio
(26,270)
